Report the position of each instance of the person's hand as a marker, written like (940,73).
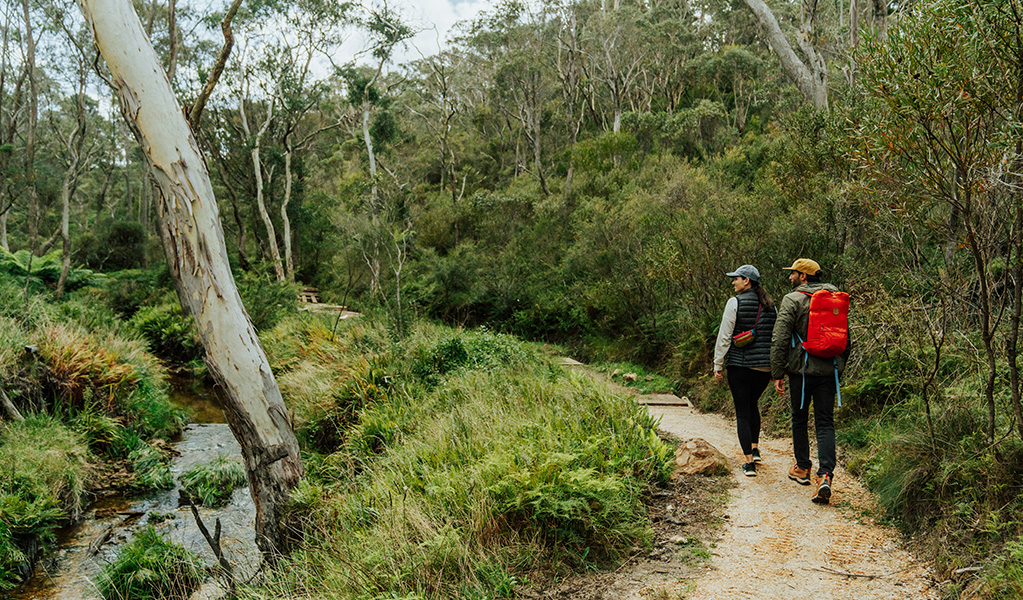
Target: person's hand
(779,386)
(717,375)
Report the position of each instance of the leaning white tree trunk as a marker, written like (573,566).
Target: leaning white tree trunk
(810,80)
(194,243)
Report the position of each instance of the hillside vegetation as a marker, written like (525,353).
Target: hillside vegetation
(572,172)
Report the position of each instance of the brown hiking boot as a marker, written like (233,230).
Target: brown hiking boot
(823,495)
(800,476)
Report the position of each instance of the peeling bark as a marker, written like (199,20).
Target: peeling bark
(197,257)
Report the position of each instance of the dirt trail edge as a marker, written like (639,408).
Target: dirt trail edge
(778,544)
(775,543)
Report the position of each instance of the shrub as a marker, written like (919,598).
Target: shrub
(151,568)
(211,484)
(44,468)
(477,463)
(127,291)
(41,460)
(266,300)
(170,332)
(114,245)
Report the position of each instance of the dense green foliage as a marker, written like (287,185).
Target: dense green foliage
(576,172)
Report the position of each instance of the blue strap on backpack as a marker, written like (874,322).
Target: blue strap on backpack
(806,357)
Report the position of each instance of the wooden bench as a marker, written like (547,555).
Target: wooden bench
(309,295)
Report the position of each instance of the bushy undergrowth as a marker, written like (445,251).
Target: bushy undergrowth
(151,568)
(212,483)
(958,496)
(89,391)
(44,471)
(473,463)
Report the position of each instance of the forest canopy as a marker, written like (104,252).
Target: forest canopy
(585,173)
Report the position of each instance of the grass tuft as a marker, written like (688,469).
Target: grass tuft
(151,568)
(211,484)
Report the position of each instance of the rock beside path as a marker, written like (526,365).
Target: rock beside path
(698,457)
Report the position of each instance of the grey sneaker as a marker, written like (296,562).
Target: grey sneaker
(749,469)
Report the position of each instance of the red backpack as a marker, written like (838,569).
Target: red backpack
(828,331)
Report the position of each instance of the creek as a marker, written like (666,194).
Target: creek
(70,571)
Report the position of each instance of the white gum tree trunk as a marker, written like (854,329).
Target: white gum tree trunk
(196,254)
(257,169)
(810,77)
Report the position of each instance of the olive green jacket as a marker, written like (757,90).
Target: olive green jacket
(794,317)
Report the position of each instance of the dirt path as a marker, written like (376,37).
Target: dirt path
(777,544)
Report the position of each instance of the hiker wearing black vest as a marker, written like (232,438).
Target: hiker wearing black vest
(747,355)
(812,380)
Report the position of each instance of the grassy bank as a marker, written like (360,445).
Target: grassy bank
(90,395)
(454,464)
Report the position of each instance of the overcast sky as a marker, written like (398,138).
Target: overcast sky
(433,18)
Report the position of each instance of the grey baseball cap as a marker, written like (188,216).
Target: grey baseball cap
(748,271)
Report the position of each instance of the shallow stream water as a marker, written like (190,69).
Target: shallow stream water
(70,572)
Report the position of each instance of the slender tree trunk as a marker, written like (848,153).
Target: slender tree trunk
(1012,337)
(172,34)
(289,263)
(881,19)
(197,258)
(257,169)
(65,232)
(30,132)
(537,152)
(854,23)
(368,140)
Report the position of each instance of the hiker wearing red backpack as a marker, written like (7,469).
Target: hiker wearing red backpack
(810,344)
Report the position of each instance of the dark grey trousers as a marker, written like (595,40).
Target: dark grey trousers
(820,394)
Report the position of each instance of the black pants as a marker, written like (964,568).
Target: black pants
(747,386)
(820,392)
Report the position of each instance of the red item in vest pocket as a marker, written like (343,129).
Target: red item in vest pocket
(828,331)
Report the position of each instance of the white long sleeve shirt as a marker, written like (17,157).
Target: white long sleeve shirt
(725,333)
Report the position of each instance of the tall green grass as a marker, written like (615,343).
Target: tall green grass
(44,471)
(475,464)
(151,568)
(212,483)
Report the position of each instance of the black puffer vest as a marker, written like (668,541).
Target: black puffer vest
(757,354)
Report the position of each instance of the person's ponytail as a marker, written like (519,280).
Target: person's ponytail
(762,296)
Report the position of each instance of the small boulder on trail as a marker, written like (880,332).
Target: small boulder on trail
(698,457)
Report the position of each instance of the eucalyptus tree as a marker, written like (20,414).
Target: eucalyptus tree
(438,106)
(616,55)
(315,28)
(809,73)
(514,45)
(70,124)
(570,64)
(32,74)
(197,257)
(273,79)
(12,98)
(941,134)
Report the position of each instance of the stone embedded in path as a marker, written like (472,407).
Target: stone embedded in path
(698,457)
